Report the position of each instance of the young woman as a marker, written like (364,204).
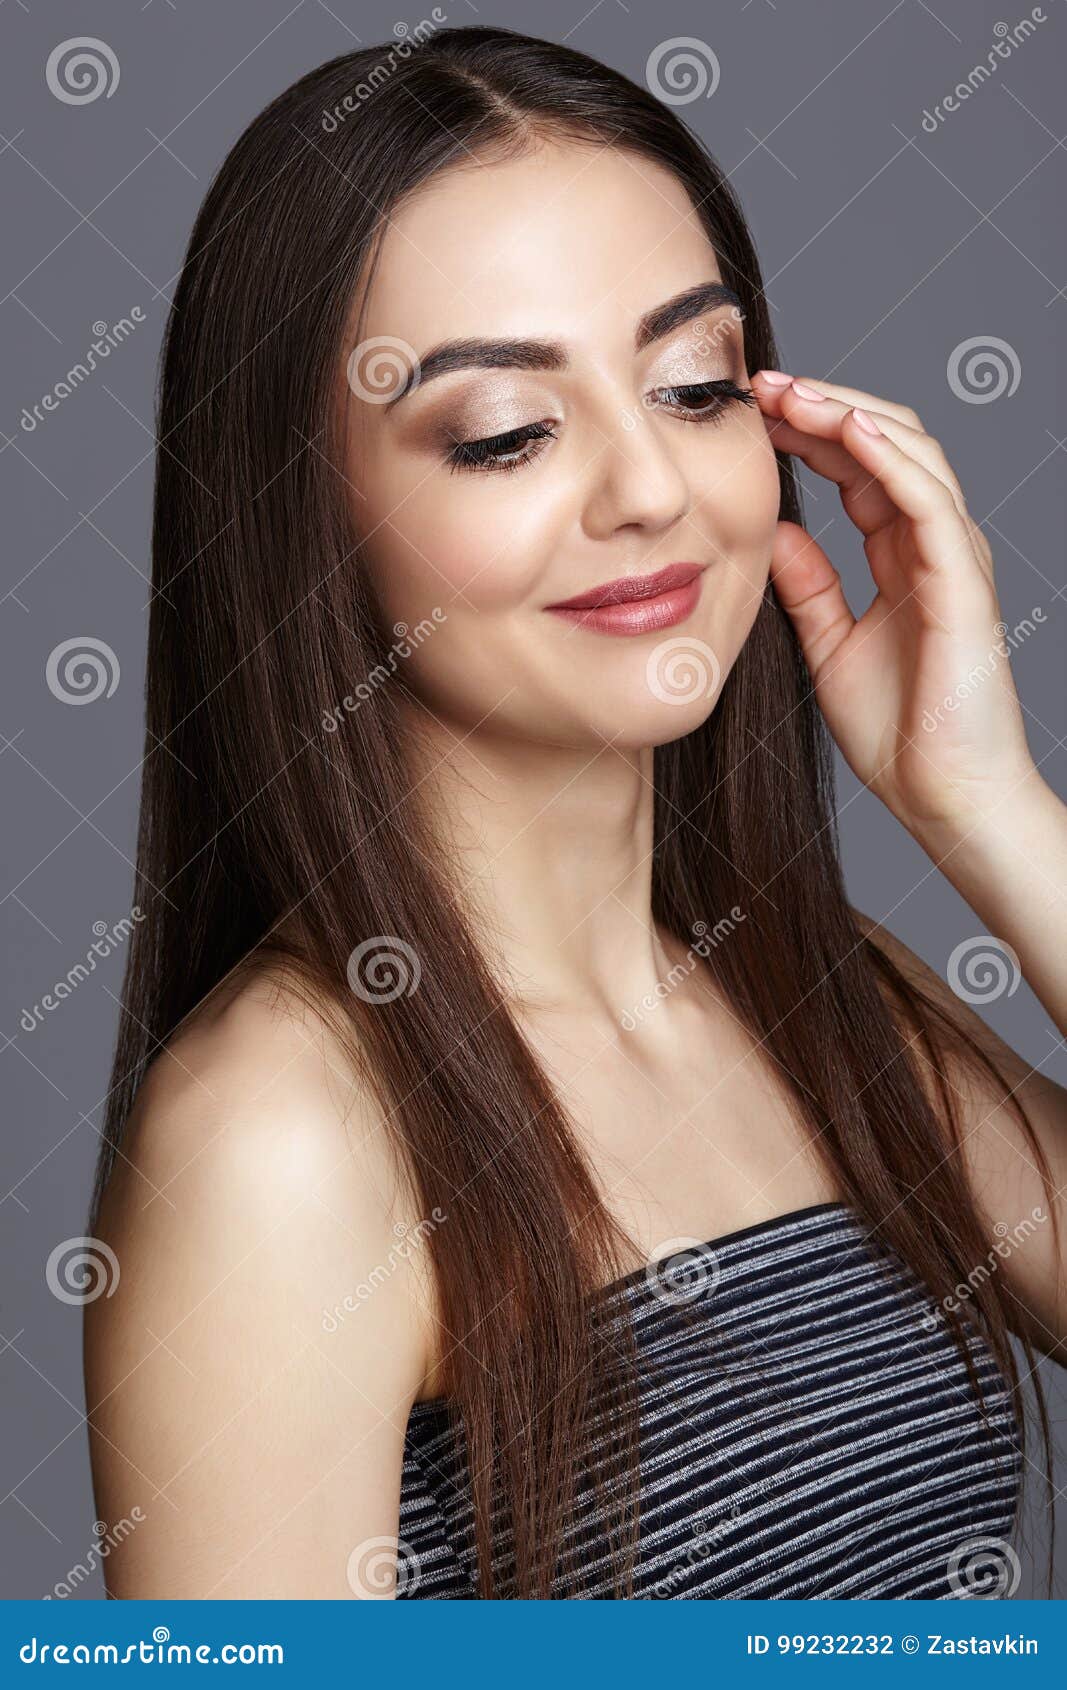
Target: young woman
(529,1175)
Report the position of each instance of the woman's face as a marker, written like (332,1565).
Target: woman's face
(616,458)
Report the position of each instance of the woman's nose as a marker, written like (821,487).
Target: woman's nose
(636,480)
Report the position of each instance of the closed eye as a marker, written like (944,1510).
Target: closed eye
(699,402)
(704,401)
(500,451)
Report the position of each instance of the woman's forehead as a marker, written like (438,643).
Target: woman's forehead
(538,244)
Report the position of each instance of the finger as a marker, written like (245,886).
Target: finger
(928,452)
(810,592)
(825,418)
(865,500)
(847,396)
(942,534)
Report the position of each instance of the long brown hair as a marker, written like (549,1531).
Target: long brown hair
(251,817)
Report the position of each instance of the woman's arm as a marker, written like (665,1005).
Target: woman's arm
(995,1156)
(248,1392)
(1009,861)
(919,695)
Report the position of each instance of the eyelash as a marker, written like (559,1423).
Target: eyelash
(697,402)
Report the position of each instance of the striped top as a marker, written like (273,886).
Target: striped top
(807,1430)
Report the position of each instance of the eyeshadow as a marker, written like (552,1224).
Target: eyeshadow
(466,418)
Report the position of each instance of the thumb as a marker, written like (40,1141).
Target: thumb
(809,590)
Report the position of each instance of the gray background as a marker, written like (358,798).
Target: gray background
(883,248)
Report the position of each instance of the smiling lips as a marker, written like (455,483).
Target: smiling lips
(636,604)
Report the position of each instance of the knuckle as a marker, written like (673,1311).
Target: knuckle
(936,450)
(941,496)
(937,460)
(946,470)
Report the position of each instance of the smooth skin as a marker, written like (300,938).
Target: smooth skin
(253,1415)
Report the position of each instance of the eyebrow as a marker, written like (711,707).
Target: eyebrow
(661,320)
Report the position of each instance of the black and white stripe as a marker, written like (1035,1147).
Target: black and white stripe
(807,1431)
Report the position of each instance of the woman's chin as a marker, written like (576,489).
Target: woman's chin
(640,723)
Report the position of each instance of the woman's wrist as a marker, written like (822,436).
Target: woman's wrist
(990,825)
(1008,860)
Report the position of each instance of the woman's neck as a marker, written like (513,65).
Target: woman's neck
(551,850)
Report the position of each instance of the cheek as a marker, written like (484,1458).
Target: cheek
(470,556)
(746,500)
(456,542)
(738,511)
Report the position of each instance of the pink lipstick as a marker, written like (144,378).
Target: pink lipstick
(636,604)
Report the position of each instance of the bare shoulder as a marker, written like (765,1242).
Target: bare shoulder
(997,1155)
(258,1073)
(247,1390)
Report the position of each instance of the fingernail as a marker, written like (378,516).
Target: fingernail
(865,421)
(807,392)
(775,378)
